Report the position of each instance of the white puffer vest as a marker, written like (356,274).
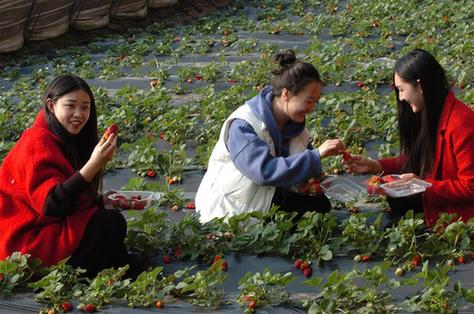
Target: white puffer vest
(224,190)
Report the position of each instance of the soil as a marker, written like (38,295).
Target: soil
(181,13)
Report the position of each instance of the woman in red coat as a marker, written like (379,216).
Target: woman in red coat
(49,202)
(436,141)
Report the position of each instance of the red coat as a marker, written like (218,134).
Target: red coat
(34,166)
(452,178)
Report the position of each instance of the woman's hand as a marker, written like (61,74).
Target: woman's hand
(101,155)
(331,148)
(408,176)
(360,164)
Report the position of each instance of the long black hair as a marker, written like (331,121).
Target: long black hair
(418,130)
(292,74)
(77,147)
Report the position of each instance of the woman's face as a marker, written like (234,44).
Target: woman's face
(412,94)
(72,110)
(301,104)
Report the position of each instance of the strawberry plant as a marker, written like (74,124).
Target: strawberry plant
(16,270)
(205,288)
(57,287)
(407,241)
(107,284)
(263,288)
(436,295)
(342,293)
(275,232)
(148,288)
(147,233)
(313,236)
(451,238)
(362,237)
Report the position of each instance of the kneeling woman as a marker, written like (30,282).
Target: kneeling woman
(264,148)
(49,182)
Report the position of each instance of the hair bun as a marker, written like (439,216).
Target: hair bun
(284,60)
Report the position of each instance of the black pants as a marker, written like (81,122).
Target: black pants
(102,245)
(300,203)
(399,206)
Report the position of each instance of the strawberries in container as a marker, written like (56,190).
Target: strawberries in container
(136,200)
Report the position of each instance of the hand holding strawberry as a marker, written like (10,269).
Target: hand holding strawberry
(331,148)
(360,164)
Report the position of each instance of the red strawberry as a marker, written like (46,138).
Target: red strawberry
(198,77)
(305,265)
(66,306)
(360,84)
(89,308)
(308,271)
(166,259)
(365,258)
(113,129)
(151,174)
(252,304)
(298,263)
(216,258)
(461,259)
(416,261)
(248,298)
(346,156)
(190,205)
(177,252)
(224,266)
(159,304)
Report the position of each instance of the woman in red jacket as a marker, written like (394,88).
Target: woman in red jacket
(436,141)
(49,182)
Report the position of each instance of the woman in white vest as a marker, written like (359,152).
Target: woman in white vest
(264,148)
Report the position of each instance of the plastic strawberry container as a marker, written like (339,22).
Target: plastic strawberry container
(131,199)
(341,188)
(401,188)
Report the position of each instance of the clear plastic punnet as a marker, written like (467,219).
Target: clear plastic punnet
(341,188)
(401,188)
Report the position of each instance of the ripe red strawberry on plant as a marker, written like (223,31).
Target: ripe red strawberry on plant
(151,174)
(416,261)
(190,205)
(112,129)
(225,266)
(159,304)
(308,271)
(198,77)
(166,259)
(298,263)
(461,259)
(365,258)
(2,276)
(66,306)
(216,258)
(252,304)
(89,308)
(305,265)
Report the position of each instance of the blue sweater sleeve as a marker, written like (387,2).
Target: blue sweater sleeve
(251,156)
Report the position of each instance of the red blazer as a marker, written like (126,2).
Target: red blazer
(34,166)
(452,178)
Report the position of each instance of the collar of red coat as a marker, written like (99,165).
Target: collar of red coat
(41,120)
(448,106)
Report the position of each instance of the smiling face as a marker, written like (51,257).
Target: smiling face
(72,110)
(412,94)
(301,104)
